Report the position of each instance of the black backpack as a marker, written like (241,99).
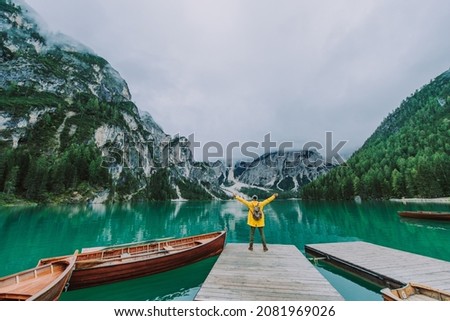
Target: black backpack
(257,213)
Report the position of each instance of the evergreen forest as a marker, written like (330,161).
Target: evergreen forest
(407,156)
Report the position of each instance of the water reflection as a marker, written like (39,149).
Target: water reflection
(28,234)
(179,284)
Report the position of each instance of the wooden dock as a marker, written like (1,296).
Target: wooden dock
(383,265)
(283,273)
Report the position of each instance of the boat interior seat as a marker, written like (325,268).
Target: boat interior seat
(202,241)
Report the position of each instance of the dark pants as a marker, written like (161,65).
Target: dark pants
(252,236)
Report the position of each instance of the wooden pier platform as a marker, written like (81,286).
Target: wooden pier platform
(384,266)
(283,273)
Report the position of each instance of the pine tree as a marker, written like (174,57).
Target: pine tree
(159,187)
(37,178)
(11,180)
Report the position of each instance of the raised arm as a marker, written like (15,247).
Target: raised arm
(243,201)
(268,200)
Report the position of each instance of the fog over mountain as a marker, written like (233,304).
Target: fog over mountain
(70,132)
(296,68)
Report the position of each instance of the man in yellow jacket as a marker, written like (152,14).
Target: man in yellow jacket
(255,217)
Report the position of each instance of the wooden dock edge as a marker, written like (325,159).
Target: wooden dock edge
(357,270)
(284,274)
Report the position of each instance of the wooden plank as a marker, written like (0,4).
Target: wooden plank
(282,273)
(383,265)
(30,286)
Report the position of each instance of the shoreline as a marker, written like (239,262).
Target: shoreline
(26,203)
(439,200)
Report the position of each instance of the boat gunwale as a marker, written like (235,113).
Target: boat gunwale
(67,261)
(431,215)
(132,258)
(99,274)
(144,256)
(65,275)
(416,288)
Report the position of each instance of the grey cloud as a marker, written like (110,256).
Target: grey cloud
(295,68)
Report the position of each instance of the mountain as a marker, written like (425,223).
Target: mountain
(68,127)
(285,171)
(70,132)
(408,155)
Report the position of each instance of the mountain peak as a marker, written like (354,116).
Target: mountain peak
(33,57)
(69,131)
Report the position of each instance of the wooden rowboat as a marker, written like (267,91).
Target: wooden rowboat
(99,266)
(45,282)
(415,292)
(425,215)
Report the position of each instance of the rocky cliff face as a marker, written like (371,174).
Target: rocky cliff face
(63,96)
(282,171)
(68,127)
(52,62)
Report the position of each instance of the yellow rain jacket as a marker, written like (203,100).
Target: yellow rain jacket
(251,205)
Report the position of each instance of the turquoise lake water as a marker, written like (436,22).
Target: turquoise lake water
(30,233)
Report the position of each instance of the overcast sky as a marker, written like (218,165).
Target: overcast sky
(235,70)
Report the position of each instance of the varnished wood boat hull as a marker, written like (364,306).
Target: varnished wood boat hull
(45,282)
(94,276)
(425,215)
(415,292)
(94,268)
(52,293)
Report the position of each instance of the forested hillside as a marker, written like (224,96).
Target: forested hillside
(407,156)
(70,133)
